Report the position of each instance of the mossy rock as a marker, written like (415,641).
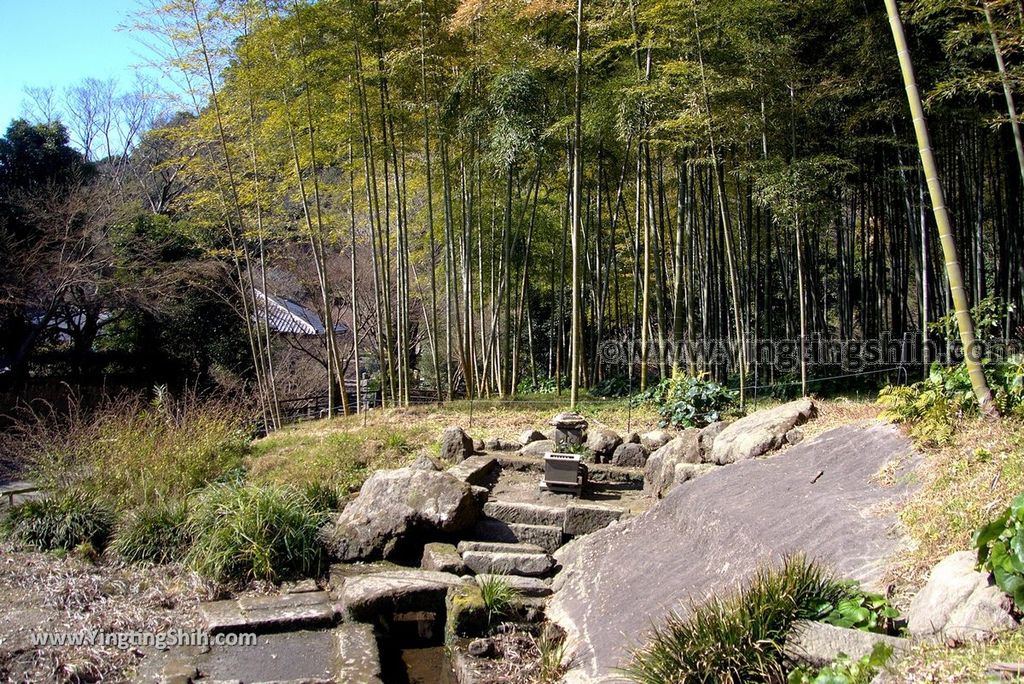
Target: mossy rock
(466,612)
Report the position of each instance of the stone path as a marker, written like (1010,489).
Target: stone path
(821,497)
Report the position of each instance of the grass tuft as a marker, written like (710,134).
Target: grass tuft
(61,522)
(254,532)
(498,598)
(132,451)
(152,533)
(737,639)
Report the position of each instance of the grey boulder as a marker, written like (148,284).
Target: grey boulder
(760,432)
(630,455)
(959,603)
(455,444)
(603,442)
(538,448)
(655,439)
(530,436)
(396,509)
(709,433)
(425,462)
(659,471)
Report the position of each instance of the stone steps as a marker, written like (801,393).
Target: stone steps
(525,513)
(495,558)
(531,587)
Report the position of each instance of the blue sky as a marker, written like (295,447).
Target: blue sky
(60,42)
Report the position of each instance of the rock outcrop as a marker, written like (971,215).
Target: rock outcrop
(538,447)
(760,432)
(396,510)
(655,439)
(602,442)
(819,497)
(530,436)
(630,455)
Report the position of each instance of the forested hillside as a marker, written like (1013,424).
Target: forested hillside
(491,193)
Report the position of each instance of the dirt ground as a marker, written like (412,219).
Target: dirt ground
(44,593)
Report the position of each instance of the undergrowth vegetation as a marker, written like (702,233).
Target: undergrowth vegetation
(933,408)
(1000,547)
(339,459)
(846,670)
(152,533)
(963,486)
(131,451)
(62,522)
(739,638)
(686,401)
(242,533)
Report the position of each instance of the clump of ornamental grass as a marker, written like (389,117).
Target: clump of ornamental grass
(253,532)
(62,521)
(739,638)
(132,450)
(152,533)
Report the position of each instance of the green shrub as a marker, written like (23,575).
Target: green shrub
(323,496)
(1000,547)
(687,401)
(739,638)
(62,521)
(845,670)
(152,533)
(933,407)
(240,533)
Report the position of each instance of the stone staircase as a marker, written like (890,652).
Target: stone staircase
(548,527)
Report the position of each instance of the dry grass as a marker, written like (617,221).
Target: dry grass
(46,593)
(928,663)
(343,451)
(522,657)
(963,486)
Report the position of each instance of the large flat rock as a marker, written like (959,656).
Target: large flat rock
(709,535)
(760,432)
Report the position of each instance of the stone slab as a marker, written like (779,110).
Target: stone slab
(525,513)
(345,655)
(261,614)
(492,563)
(499,547)
(548,537)
(358,659)
(475,470)
(524,586)
(587,518)
(376,595)
(442,558)
(820,497)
